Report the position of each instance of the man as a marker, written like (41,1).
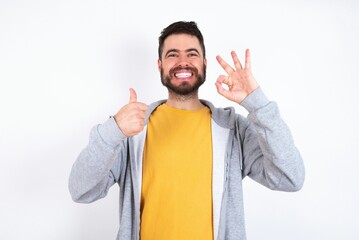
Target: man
(180,162)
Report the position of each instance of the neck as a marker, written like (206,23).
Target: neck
(184,102)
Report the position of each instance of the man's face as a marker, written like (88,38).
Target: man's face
(182,66)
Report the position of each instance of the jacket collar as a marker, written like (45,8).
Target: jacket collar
(224,117)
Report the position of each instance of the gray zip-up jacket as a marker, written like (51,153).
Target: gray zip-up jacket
(259,146)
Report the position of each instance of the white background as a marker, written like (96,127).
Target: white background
(67,65)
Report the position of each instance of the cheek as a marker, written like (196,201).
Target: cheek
(199,66)
(167,66)
(198,63)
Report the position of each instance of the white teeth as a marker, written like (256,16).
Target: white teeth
(183,75)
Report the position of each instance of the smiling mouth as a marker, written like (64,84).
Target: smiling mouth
(183,72)
(183,75)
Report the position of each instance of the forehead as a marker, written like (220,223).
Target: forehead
(181,42)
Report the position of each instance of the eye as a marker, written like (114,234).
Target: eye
(192,54)
(172,55)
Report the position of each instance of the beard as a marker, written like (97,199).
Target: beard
(185,88)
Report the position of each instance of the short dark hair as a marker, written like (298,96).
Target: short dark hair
(180,27)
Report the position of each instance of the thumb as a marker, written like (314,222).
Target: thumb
(133,95)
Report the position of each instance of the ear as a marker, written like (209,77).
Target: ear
(159,64)
(205,61)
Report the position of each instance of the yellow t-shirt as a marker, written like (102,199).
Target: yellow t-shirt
(176,197)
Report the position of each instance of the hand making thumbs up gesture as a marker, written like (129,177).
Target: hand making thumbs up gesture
(131,117)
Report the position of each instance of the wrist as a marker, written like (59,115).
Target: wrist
(256,99)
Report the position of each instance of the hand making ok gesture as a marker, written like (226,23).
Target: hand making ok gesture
(240,81)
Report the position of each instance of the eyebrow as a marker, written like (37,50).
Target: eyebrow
(177,51)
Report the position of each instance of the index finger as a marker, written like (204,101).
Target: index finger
(141,106)
(225,65)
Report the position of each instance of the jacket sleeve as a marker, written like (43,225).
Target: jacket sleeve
(97,167)
(269,154)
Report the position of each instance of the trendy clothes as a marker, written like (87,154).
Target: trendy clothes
(259,146)
(176,198)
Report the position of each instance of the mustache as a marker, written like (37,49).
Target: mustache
(179,68)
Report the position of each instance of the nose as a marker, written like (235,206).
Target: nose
(183,60)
